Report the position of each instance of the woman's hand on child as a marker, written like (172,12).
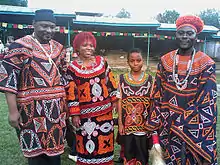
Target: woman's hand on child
(121,129)
(76,121)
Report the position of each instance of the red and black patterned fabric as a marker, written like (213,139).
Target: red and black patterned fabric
(41,99)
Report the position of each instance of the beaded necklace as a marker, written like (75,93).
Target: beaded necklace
(182,84)
(45,52)
(130,76)
(92,62)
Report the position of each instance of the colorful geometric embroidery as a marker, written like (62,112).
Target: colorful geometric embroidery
(40,124)
(208,110)
(205,120)
(96,108)
(127,90)
(144,90)
(47,66)
(194,81)
(97,161)
(112,79)
(194,120)
(206,98)
(105,144)
(165,115)
(105,89)
(26,72)
(84,92)
(12,81)
(79,144)
(108,116)
(63,120)
(96,89)
(29,145)
(211,136)
(15,60)
(173,101)
(134,114)
(3,72)
(38,107)
(205,131)
(49,106)
(90,146)
(194,132)
(40,81)
(214,94)
(106,127)
(187,114)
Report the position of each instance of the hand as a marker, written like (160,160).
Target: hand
(121,129)
(14,119)
(76,121)
(114,106)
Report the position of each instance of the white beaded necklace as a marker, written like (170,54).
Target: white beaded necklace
(139,78)
(182,84)
(45,52)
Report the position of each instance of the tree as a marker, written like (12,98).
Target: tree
(169,16)
(210,17)
(14,2)
(123,14)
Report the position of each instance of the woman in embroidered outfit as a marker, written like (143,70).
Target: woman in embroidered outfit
(30,77)
(133,108)
(91,93)
(184,110)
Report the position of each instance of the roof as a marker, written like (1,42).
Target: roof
(89,14)
(172,27)
(216,36)
(17,14)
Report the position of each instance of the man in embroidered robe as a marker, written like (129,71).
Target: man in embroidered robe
(30,77)
(184,100)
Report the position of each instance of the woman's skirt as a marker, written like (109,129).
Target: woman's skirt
(95,140)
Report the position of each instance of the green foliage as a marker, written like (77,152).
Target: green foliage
(169,16)
(211,17)
(123,14)
(14,2)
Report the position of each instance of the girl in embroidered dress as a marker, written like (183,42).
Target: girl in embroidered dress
(133,107)
(91,94)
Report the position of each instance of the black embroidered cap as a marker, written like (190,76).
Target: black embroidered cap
(44,15)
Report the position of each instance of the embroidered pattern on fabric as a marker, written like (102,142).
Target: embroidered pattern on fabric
(96,89)
(96,109)
(49,109)
(95,161)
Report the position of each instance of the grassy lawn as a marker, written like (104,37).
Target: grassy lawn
(10,150)
(218,77)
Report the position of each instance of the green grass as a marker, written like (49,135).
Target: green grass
(218,78)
